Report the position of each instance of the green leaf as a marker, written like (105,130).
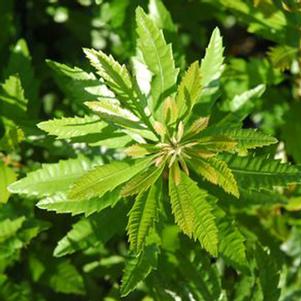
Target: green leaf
(262,172)
(245,138)
(69,127)
(142,217)
(60,203)
(217,172)
(89,232)
(52,178)
(212,64)
(7,176)
(142,181)
(106,178)
(77,84)
(138,268)
(114,75)
(189,90)
(159,59)
(192,212)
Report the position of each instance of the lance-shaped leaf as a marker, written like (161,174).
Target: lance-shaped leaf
(138,267)
(142,181)
(116,76)
(159,59)
(192,211)
(212,64)
(189,90)
(106,178)
(142,216)
(52,178)
(113,113)
(77,84)
(217,172)
(70,127)
(245,138)
(262,172)
(60,203)
(215,143)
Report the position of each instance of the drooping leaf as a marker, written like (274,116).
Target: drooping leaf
(106,177)
(142,216)
(51,178)
(159,59)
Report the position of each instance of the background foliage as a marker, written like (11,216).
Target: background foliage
(49,256)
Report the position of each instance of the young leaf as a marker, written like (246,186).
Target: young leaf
(189,90)
(159,59)
(142,181)
(52,178)
(137,268)
(193,213)
(217,172)
(106,178)
(142,217)
(245,138)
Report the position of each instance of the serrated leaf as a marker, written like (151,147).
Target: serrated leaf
(51,178)
(77,84)
(137,268)
(142,217)
(7,176)
(114,75)
(159,59)
(60,203)
(70,127)
(8,227)
(189,90)
(106,178)
(193,213)
(212,64)
(262,172)
(142,181)
(217,172)
(245,138)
